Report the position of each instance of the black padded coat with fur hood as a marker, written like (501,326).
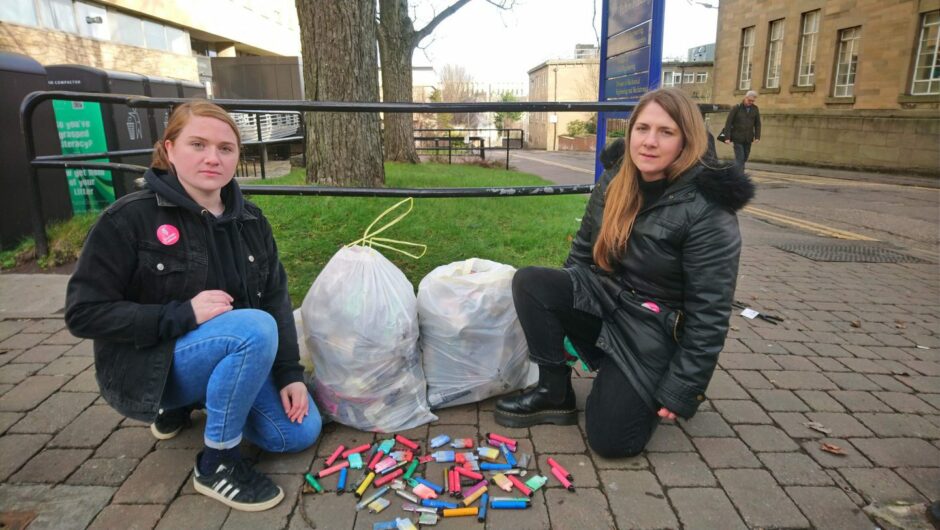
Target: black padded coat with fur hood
(667,303)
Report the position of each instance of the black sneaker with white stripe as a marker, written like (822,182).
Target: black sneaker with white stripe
(238,485)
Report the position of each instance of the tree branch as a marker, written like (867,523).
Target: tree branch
(426,30)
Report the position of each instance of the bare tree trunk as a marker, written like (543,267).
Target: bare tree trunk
(396,45)
(340,64)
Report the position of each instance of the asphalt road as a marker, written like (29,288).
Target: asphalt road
(805,205)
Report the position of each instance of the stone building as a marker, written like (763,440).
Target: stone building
(842,83)
(170,38)
(559,80)
(694,78)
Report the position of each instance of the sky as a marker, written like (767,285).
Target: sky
(497,46)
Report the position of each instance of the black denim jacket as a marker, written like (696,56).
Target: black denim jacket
(130,293)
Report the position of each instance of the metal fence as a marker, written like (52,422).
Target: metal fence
(36,163)
(473,142)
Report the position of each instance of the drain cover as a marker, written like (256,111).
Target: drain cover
(850,253)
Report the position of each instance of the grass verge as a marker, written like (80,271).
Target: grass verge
(515,230)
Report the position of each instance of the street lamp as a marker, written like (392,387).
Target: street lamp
(703,4)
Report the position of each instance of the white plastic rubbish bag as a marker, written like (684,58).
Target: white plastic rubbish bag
(361,325)
(471,341)
(305,359)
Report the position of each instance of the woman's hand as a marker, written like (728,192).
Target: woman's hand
(666,414)
(210,304)
(295,401)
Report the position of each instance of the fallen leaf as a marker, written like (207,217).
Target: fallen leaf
(900,324)
(816,426)
(856,324)
(735,328)
(832,448)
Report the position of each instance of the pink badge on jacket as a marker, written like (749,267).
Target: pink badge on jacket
(651,306)
(168,234)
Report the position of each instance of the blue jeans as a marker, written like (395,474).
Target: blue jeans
(226,364)
(741,152)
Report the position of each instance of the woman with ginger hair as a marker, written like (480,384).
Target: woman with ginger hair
(181,288)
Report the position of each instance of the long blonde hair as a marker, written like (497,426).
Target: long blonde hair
(179,118)
(623,200)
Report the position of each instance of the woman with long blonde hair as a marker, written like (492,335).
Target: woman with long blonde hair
(646,292)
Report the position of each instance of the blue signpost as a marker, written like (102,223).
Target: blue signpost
(631,56)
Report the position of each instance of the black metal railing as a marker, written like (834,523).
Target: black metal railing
(32,100)
(473,142)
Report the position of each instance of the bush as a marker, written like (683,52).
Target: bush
(577,128)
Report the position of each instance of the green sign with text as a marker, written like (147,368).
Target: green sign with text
(81,130)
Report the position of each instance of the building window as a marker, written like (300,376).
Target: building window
(806,69)
(19,13)
(155,36)
(927,67)
(701,77)
(58,14)
(847,62)
(688,79)
(92,21)
(774,53)
(744,69)
(126,29)
(178,41)
(672,78)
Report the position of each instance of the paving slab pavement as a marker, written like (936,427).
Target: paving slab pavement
(808,423)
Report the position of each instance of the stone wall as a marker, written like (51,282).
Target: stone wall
(56,47)
(893,141)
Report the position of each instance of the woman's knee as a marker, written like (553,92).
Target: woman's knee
(531,283)
(619,434)
(260,329)
(522,280)
(609,447)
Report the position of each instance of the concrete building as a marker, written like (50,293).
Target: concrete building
(559,80)
(169,38)
(694,78)
(842,83)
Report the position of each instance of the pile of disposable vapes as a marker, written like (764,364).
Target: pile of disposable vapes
(478,478)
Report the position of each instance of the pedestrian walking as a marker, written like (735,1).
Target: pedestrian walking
(645,296)
(181,288)
(742,128)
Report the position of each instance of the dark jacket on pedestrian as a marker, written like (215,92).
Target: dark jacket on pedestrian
(667,304)
(743,124)
(131,290)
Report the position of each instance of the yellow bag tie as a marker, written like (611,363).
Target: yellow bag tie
(368,237)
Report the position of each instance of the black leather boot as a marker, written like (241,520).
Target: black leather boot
(551,401)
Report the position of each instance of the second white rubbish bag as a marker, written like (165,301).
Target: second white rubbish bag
(472,344)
